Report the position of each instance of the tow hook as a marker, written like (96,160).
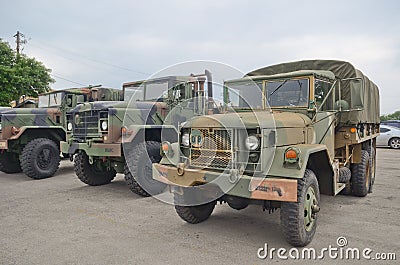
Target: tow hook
(180,169)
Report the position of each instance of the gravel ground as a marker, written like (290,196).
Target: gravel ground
(60,220)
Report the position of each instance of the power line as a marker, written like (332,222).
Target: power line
(68,80)
(88,58)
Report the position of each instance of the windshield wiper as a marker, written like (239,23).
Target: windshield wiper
(276,89)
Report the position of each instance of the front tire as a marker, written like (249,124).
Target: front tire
(138,172)
(9,163)
(394,143)
(40,158)
(92,175)
(299,219)
(194,214)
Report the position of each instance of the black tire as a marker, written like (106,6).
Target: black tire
(299,219)
(361,175)
(344,175)
(91,174)
(372,160)
(40,158)
(9,163)
(195,214)
(394,143)
(138,172)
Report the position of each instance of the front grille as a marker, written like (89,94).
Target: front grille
(215,150)
(86,123)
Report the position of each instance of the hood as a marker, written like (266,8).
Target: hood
(262,119)
(105,105)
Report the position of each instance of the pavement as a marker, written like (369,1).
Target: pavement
(60,220)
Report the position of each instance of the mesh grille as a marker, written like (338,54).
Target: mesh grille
(88,124)
(215,150)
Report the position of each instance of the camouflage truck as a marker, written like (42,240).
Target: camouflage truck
(296,130)
(124,137)
(30,137)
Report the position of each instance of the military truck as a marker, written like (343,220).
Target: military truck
(297,129)
(30,137)
(124,137)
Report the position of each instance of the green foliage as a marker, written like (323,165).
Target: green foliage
(21,75)
(393,116)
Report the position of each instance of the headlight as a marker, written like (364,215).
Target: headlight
(252,142)
(104,125)
(185,139)
(0,126)
(69,126)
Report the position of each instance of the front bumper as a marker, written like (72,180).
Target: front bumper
(92,149)
(273,189)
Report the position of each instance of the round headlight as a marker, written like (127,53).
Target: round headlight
(185,139)
(252,142)
(104,125)
(69,126)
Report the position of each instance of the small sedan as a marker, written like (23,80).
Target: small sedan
(393,123)
(389,136)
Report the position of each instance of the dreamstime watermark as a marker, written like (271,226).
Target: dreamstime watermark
(340,251)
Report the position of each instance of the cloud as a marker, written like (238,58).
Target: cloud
(118,41)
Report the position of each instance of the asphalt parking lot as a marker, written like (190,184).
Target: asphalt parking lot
(60,220)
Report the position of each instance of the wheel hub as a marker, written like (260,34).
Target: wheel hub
(311,209)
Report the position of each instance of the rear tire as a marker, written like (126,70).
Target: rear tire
(373,169)
(361,175)
(40,158)
(9,163)
(138,172)
(91,174)
(299,219)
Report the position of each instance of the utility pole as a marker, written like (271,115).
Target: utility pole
(20,39)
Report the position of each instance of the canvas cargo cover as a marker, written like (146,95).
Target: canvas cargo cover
(369,113)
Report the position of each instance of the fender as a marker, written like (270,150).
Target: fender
(311,156)
(48,129)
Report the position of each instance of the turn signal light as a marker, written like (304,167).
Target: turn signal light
(291,154)
(165,147)
(353,130)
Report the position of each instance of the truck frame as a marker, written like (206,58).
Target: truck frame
(290,132)
(30,137)
(124,137)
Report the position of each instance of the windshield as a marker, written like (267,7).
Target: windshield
(153,91)
(50,100)
(134,93)
(156,90)
(287,93)
(245,95)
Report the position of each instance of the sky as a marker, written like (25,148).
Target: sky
(112,42)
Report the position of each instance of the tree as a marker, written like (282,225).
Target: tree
(392,116)
(21,75)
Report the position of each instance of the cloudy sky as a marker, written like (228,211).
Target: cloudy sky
(111,42)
